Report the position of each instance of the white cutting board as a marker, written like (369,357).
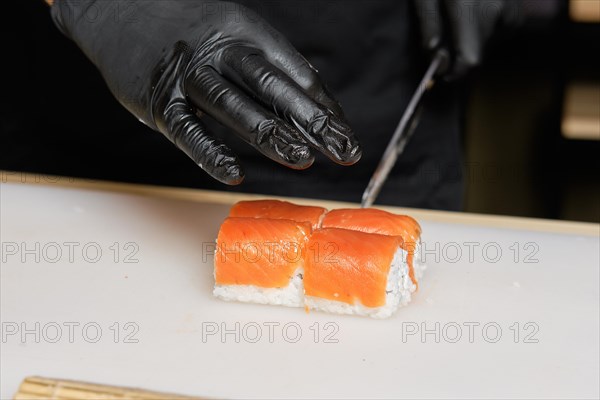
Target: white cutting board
(166,298)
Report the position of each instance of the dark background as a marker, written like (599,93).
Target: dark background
(58,117)
(520,162)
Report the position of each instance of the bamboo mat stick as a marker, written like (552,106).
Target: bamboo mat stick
(34,387)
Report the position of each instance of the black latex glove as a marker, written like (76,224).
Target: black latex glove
(171,61)
(460,26)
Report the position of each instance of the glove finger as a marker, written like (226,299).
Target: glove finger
(430,23)
(324,130)
(229,105)
(463,23)
(188,133)
(279,52)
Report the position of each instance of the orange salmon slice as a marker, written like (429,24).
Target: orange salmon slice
(349,266)
(260,252)
(277,209)
(371,220)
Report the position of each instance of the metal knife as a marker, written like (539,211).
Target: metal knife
(404,130)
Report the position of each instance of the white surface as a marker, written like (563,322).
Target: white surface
(168,295)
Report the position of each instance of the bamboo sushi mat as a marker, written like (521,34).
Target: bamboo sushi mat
(34,388)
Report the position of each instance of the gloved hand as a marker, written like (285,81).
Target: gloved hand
(171,62)
(460,26)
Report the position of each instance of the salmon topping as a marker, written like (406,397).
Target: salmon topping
(260,252)
(371,220)
(349,266)
(277,209)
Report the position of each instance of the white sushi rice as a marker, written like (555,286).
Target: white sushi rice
(291,295)
(398,293)
(418,264)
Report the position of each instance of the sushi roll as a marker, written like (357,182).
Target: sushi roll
(371,220)
(277,209)
(261,260)
(348,261)
(352,272)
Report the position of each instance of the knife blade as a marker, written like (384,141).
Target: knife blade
(404,130)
